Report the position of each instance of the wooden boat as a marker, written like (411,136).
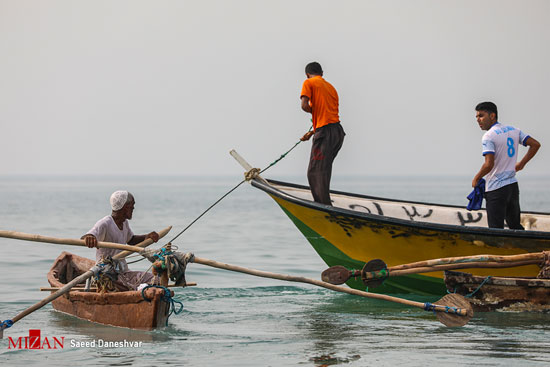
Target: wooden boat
(359,228)
(500,293)
(125,309)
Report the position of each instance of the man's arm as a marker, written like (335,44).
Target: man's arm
(486,167)
(534,146)
(140,238)
(305,104)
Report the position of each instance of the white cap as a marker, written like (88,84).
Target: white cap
(118,199)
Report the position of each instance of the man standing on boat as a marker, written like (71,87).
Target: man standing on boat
(115,228)
(320,99)
(500,146)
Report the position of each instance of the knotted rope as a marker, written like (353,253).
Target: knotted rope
(431,307)
(173,262)
(166,297)
(252,174)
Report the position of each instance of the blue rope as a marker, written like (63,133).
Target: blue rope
(6,324)
(431,307)
(478,288)
(162,254)
(166,297)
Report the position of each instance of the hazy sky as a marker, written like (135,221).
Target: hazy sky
(169,87)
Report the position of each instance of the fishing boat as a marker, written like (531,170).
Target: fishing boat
(360,228)
(125,309)
(493,293)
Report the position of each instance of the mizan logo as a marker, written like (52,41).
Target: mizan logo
(34,341)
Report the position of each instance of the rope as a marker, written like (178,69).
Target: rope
(478,288)
(431,307)
(6,324)
(166,297)
(252,173)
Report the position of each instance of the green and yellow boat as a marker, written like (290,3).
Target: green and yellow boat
(359,228)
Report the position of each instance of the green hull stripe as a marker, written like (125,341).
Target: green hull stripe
(331,255)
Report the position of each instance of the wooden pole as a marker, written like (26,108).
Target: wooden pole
(78,279)
(429,269)
(291,278)
(64,241)
(465,260)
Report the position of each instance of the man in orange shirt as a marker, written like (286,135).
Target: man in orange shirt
(321,100)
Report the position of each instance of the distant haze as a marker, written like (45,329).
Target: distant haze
(169,87)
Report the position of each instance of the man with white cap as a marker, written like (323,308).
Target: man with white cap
(115,228)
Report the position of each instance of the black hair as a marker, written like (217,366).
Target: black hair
(489,107)
(314,68)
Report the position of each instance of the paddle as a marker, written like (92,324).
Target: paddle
(451,310)
(375,271)
(139,247)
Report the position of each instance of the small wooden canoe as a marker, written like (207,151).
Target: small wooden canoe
(125,309)
(488,293)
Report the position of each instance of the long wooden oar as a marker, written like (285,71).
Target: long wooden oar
(140,246)
(65,241)
(451,310)
(375,271)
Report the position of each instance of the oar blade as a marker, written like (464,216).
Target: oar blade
(336,275)
(373,267)
(450,318)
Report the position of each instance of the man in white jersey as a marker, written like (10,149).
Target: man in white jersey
(115,228)
(500,149)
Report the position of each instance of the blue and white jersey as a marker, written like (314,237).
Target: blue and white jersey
(502,141)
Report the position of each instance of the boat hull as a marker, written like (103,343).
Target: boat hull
(500,293)
(123,309)
(350,238)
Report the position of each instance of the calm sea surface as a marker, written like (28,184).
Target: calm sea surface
(233,319)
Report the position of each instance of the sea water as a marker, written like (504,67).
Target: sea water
(232,319)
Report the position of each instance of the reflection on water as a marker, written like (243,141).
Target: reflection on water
(91,330)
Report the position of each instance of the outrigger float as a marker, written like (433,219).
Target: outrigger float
(359,228)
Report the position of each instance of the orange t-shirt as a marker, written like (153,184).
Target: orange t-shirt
(323,99)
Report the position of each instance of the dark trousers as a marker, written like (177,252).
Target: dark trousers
(503,204)
(327,141)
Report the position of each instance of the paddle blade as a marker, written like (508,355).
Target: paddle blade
(370,268)
(452,319)
(336,275)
